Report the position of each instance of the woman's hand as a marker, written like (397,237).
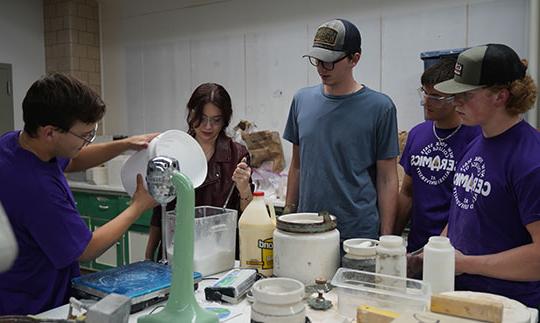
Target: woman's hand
(241,176)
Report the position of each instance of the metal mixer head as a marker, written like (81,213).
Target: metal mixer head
(158,177)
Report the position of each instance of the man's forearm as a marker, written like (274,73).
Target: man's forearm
(291,200)
(387,194)
(517,264)
(107,235)
(387,211)
(403,213)
(97,154)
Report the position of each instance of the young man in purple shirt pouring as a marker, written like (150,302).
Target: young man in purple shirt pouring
(494,220)
(60,120)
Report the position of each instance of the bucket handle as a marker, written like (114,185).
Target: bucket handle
(326,216)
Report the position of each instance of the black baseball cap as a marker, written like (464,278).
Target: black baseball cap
(481,66)
(335,39)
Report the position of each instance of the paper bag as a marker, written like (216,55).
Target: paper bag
(265,150)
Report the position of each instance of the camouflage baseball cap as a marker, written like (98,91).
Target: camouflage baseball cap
(335,39)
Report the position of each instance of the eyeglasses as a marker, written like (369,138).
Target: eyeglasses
(434,98)
(88,138)
(326,65)
(212,121)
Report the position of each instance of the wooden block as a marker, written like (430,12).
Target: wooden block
(477,309)
(370,314)
(428,317)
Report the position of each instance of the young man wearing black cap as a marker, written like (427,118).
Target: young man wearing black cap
(345,142)
(494,220)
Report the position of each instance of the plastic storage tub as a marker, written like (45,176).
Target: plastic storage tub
(215,239)
(432,57)
(355,288)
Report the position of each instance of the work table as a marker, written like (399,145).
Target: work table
(242,310)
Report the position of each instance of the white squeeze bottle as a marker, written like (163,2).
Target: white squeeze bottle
(439,264)
(256,236)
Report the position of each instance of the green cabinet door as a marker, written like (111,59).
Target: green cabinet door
(137,236)
(135,241)
(102,206)
(112,257)
(144,219)
(96,209)
(81,202)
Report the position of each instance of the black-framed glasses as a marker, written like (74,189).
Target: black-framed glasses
(434,98)
(88,138)
(326,65)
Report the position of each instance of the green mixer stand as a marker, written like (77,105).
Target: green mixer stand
(182,306)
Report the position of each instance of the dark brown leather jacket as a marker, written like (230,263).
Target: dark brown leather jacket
(218,182)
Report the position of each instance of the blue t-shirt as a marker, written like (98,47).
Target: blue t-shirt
(495,195)
(49,231)
(431,163)
(340,139)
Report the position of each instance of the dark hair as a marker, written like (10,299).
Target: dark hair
(439,72)
(208,93)
(60,100)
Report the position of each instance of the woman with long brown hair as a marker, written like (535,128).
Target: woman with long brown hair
(209,114)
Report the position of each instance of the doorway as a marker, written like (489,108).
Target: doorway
(6,98)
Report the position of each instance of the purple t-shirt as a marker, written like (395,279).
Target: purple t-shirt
(50,232)
(431,163)
(495,195)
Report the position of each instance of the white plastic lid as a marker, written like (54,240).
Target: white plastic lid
(439,242)
(390,241)
(278,291)
(360,247)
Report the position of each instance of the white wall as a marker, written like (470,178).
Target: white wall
(22,46)
(155,53)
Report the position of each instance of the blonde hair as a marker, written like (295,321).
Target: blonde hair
(522,95)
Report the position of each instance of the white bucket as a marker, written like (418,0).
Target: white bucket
(278,300)
(304,255)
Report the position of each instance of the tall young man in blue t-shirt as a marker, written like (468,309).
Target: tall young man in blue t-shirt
(429,160)
(345,142)
(60,119)
(494,220)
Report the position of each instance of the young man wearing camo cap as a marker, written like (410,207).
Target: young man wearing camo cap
(345,142)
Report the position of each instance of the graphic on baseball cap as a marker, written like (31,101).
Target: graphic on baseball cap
(481,66)
(335,39)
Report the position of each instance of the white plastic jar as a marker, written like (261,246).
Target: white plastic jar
(360,254)
(439,264)
(278,300)
(392,260)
